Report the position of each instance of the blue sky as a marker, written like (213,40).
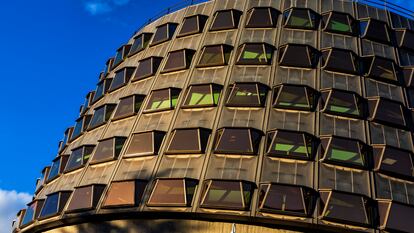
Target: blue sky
(53,52)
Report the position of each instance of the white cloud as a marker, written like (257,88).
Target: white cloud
(10,203)
(96,7)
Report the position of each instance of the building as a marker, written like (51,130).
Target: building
(244,116)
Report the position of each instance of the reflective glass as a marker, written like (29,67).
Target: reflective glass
(202,95)
(254,54)
(246,95)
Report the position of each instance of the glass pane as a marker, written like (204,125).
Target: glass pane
(282,198)
(126,107)
(254,54)
(212,56)
(342,103)
(345,207)
(99,92)
(395,161)
(338,23)
(294,97)
(340,61)
(299,18)
(382,68)
(144,69)
(190,26)
(343,150)
(168,192)
(376,31)
(159,100)
(390,112)
(246,95)
(290,144)
(98,117)
(262,18)
(225,20)
(29,214)
(399,218)
(119,57)
(185,141)
(297,56)
(201,95)
(81,199)
(234,140)
(140,42)
(224,194)
(78,128)
(175,61)
(164,33)
(121,193)
(51,205)
(141,143)
(54,171)
(75,159)
(104,151)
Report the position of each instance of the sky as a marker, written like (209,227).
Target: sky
(53,52)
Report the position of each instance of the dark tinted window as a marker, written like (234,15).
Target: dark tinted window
(66,137)
(101,89)
(86,104)
(178,60)
(101,115)
(54,204)
(192,25)
(339,60)
(147,67)
(164,33)
(290,144)
(79,157)
(108,66)
(295,97)
(336,22)
(298,55)
(393,161)
(124,193)
(140,42)
(300,18)
(164,99)
(85,198)
(344,151)
(121,54)
(380,68)
(226,19)
(172,192)
(108,149)
(57,167)
(374,30)
(237,141)
(342,103)
(387,112)
(246,95)
(262,17)
(128,106)
(395,216)
(405,38)
(80,126)
(205,95)
(254,54)
(121,78)
(32,212)
(147,143)
(188,141)
(215,55)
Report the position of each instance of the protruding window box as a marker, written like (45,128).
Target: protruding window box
(227,194)
(144,144)
(32,212)
(339,23)
(108,67)
(141,41)
(125,193)
(54,204)
(255,54)
(247,94)
(172,193)
(298,55)
(388,112)
(286,199)
(162,100)
(375,30)
(342,103)
(395,217)
(101,115)
(66,137)
(345,152)
(120,55)
(295,97)
(226,20)
(291,144)
(405,38)
(262,17)
(393,161)
(202,96)
(88,100)
(101,89)
(237,141)
(80,126)
(380,68)
(128,106)
(340,61)
(85,198)
(345,208)
(58,166)
(164,33)
(121,78)
(108,150)
(178,60)
(215,55)
(408,74)
(79,157)
(193,25)
(300,18)
(147,67)
(40,182)
(188,141)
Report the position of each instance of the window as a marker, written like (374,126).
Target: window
(163,99)
(178,60)
(291,144)
(145,143)
(237,141)
(108,149)
(124,193)
(121,78)
(32,212)
(379,68)
(286,199)
(188,141)
(227,194)
(85,197)
(340,60)
(101,115)
(408,74)
(344,151)
(140,43)
(164,33)
(393,161)
(54,204)
(262,17)
(295,97)
(80,126)
(101,89)
(57,168)
(255,54)
(108,67)
(246,95)
(345,208)
(298,55)
(226,19)
(387,112)
(338,22)
(66,137)
(121,54)
(172,192)
(342,103)
(215,55)
(147,68)
(374,30)
(79,157)
(300,18)
(41,181)
(202,95)
(394,216)
(128,106)
(193,25)
(404,38)
(87,103)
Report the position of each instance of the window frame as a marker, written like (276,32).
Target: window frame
(187,54)
(124,50)
(88,100)
(387,206)
(380,155)
(114,156)
(104,84)
(235,16)
(66,138)
(330,68)
(277,91)
(156,145)
(84,161)
(363,34)
(96,191)
(83,128)
(40,182)
(63,159)
(224,49)
(155,65)
(108,68)
(273,16)
(200,132)
(106,117)
(283,49)
(170,94)
(138,193)
(376,101)
(136,99)
(144,43)
(36,212)
(231,93)
(187,203)
(63,197)
(352,23)
(265,47)
(370,60)
(127,71)
(359,102)
(201,23)
(285,19)
(214,88)
(255,148)
(170,35)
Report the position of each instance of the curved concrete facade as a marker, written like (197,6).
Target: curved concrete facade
(243,116)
